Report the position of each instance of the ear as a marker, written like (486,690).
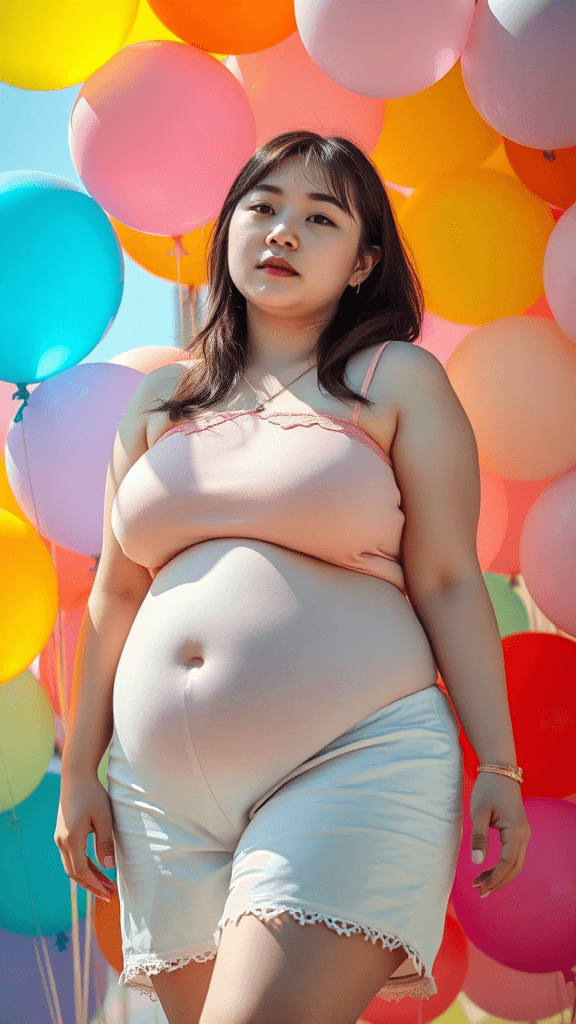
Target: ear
(367,261)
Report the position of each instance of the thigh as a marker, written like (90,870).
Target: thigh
(316,975)
(182,992)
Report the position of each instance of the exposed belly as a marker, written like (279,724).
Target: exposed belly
(258,657)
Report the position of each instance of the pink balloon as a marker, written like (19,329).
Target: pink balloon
(523,84)
(559,271)
(514,995)
(287,90)
(158,135)
(386,49)
(548,552)
(529,924)
(70,424)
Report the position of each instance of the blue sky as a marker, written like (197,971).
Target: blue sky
(34,136)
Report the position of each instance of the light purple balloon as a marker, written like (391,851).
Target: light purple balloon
(559,270)
(384,48)
(529,924)
(524,86)
(69,427)
(22,995)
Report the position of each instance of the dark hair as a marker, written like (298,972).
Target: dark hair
(390,304)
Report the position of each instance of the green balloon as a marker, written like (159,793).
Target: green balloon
(509,609)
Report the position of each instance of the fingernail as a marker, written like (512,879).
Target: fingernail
(477,856)
(108,862)
(483,894)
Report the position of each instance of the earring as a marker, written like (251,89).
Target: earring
(358,288)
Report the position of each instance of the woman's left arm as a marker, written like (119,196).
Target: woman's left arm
(436,465)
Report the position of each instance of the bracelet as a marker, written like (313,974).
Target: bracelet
(501,769)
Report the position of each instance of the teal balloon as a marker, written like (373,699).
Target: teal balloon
(509,609)
(61,275)
(30,863)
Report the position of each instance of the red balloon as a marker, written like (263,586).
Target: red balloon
(540,671)
(449,970)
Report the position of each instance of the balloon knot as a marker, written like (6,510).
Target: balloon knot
(21,393)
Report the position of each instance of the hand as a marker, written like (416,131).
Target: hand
(496,802)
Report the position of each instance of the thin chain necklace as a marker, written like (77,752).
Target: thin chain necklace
(261,405)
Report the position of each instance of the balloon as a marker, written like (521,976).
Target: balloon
(70,421)
(385,49)
(514,995)
(548,552)
(516,379)
(540,668)
(524,86)
(149,357)
(28,595)
(171,173)
(440,114)
(478,238)
(23,998)
(151,253)
(449,970)
(302,97)
(514,17)
(31,861)
(441,336)
(226,25)
(559,271)
(509,609)
(54,46)
(492,522)
(63,645)
(520,496)
(75,574)
(549,173)
(62,275)
(26,738)
(530,924)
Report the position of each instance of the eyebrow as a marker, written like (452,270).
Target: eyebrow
(321,197)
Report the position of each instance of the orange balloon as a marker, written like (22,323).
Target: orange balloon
(228,26)
(108,931)
(550,174)
(151,252)
(516,380)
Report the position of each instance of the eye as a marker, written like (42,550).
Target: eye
(259,206)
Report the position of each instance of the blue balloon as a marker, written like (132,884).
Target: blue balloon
(61,275)
(31,865)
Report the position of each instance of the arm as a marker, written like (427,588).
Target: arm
(436,465)
(109,619)
(463,632)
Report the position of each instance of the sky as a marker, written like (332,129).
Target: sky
(34,137)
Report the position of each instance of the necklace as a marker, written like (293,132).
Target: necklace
(260,407)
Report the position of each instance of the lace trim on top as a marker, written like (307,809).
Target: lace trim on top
(284,419)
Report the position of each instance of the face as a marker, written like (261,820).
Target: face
(316,237)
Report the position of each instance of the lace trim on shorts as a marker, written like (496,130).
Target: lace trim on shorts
(394,989)
(149,963)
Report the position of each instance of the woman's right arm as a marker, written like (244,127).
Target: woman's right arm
(119,588)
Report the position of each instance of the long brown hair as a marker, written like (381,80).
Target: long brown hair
(390,303)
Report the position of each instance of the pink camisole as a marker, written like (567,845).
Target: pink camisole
(310,482)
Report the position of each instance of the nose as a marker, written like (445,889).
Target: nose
(282,235)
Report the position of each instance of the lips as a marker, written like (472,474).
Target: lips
(277,264)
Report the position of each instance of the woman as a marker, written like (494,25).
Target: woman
(281,754)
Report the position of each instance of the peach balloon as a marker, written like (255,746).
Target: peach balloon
(149,357)
(493,519)
(520,496)
(515,995)
(516,380)
(548,552)
(287,90)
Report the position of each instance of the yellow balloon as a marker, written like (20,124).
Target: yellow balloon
(478,240)
(26,738)
(7,500)
(28,595)
(434,132)
(49,45)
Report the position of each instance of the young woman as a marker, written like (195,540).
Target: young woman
(281,755)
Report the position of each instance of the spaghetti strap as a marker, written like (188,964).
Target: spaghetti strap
(368,378)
